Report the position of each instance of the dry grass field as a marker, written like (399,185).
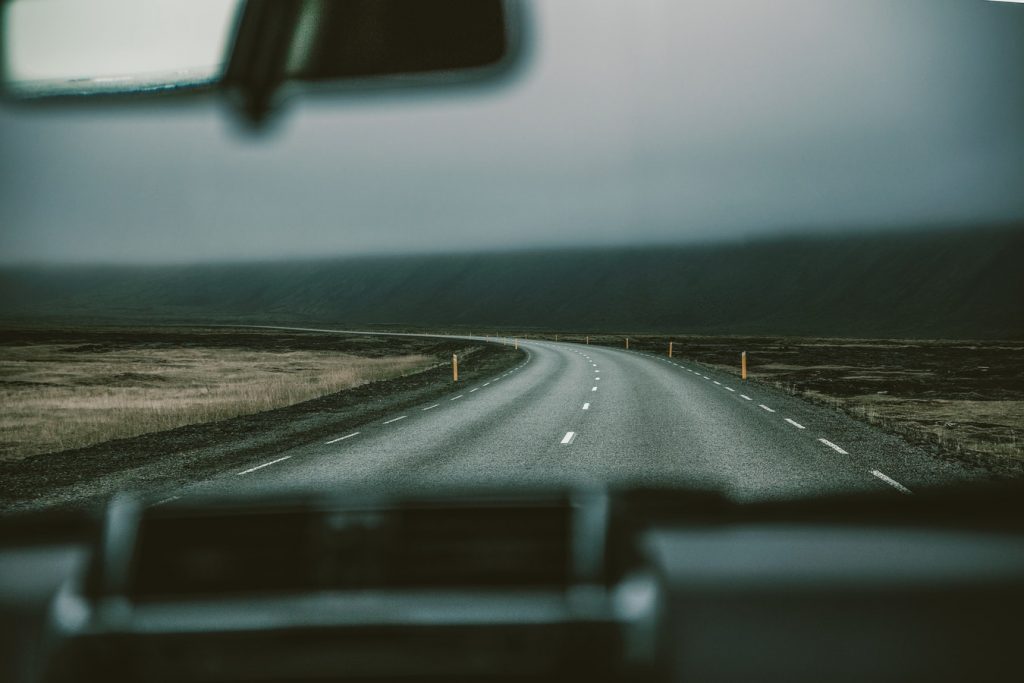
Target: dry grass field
(57,396)
(964,398)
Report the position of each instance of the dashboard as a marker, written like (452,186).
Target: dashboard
(634,584)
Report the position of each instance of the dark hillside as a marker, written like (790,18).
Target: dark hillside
(966,284)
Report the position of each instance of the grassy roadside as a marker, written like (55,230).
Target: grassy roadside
(164,460)
(65,388)
(59,397)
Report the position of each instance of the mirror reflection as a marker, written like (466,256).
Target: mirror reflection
(56,47)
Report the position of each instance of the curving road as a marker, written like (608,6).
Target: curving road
(574,413)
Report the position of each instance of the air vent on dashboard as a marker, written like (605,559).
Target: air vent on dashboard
(424,545)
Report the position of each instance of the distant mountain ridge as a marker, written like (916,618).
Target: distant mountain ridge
(948,284)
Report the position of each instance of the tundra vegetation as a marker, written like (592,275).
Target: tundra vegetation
(63,391)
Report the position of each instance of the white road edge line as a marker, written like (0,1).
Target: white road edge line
(266,464)
(342,438)
(833,446)
(586,406)
(395,419)
(892,482)
(569,436)
(795,424)
(764,407)
(431,407)
(166,500)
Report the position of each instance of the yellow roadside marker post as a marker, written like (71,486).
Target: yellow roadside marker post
(517,343)
(670,349)
(588,340)
(627,343)
(455,368)
(743,365)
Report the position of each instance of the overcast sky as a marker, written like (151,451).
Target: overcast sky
(632,123)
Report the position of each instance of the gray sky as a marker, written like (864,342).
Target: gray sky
(634,122)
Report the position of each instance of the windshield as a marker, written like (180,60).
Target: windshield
(768,249)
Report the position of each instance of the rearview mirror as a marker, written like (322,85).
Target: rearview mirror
(70,49)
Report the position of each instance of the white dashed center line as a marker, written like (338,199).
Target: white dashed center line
(266,464)
(569,436)
(432,407)
(474,389)
(764,407)
(730,389)
(586,406)
(395,419)
(795,424)
(834,447)
(891,482)
(744,396)
(717,382)
(342,438)
(456,398)
(593,388)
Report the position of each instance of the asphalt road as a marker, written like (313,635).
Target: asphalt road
(575,414)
